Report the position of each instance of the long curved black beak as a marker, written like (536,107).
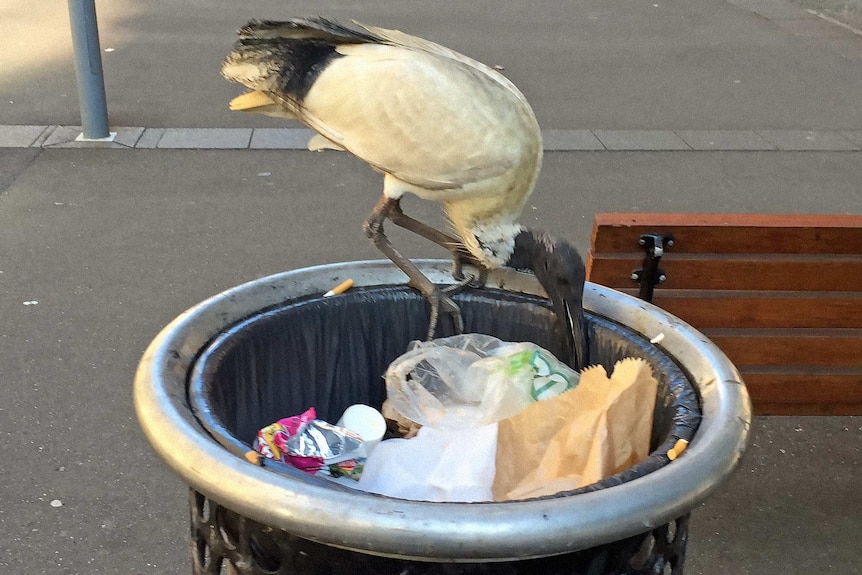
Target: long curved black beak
(576,332)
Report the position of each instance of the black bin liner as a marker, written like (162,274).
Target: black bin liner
(330,353)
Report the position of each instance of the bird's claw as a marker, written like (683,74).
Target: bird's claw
(473,281)
(469,281)
(441,303)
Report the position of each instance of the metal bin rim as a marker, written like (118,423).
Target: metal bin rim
(436,531)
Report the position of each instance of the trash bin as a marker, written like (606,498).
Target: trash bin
(275,346)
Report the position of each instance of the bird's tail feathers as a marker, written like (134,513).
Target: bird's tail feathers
(315,28)
(273,54)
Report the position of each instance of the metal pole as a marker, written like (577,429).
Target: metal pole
(88,69)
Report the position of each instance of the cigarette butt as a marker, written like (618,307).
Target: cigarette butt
(340,288)
(657,339)
(677,449)
(253,457)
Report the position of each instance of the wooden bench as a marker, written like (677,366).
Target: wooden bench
(781,295)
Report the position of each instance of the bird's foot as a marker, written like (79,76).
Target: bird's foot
(442,302)
(463,282)
(443,305)
(474,280)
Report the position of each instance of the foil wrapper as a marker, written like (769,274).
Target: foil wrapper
(313,445)
(321,440)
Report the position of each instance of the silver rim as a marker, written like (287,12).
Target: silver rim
(422,530)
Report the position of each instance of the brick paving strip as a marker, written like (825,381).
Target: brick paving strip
(554,140)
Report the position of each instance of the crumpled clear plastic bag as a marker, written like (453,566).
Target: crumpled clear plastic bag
(470,380)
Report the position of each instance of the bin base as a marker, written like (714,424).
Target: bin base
(226,543)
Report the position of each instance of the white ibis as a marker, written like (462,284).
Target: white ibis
(437,124)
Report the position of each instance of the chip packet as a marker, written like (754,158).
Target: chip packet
(312,445)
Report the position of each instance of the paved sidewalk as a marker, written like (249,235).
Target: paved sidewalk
(653,105)
(554,140)
(628,65)
(102,248)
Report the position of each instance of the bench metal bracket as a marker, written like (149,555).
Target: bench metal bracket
(650,275)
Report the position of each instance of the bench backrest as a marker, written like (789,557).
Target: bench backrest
(781,295)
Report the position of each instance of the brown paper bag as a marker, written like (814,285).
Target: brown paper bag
(601,427)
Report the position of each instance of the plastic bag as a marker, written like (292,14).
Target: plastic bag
(470,380)
(436,465)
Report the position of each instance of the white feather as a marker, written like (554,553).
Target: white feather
(439,125)
(440,129)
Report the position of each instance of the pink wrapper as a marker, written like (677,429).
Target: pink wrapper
(312,445)
(272,440)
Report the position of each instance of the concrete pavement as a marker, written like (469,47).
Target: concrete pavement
(101,246)
(635,64)
(31,136)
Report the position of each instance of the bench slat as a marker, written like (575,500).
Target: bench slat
(765,408)
(757,309)
(732,233)
(813,273)
(804,393)
(811,348)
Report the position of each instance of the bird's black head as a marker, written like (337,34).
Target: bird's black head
(559,268)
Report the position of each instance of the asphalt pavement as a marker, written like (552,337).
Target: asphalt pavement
(684,106)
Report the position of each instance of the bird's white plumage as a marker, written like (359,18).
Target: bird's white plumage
(437,124)
(430,129)
(439,128)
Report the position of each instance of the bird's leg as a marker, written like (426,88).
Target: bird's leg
(439,300)
(459,254)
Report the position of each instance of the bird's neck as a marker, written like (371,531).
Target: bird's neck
(486,218)
(491,240)
(497,241)
(527,248)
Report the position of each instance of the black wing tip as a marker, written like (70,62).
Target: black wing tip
(257,26)
(304,26)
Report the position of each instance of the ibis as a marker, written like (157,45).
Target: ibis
(436,124)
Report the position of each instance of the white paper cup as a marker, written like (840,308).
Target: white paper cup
(365,421)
